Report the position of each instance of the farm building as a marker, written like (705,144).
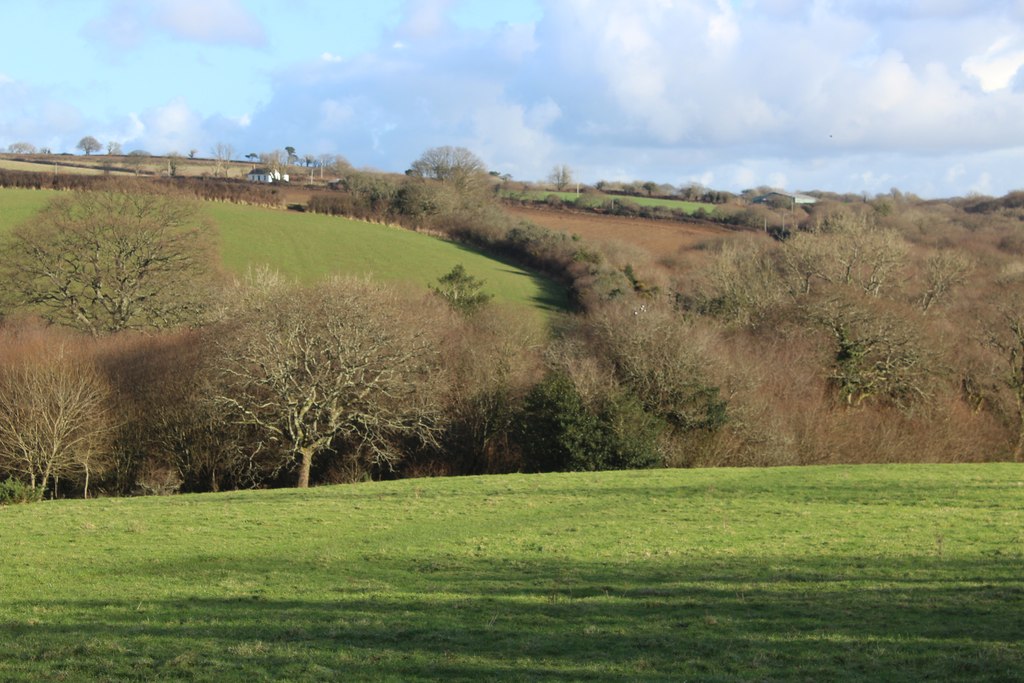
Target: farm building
(781,196)
(265,175)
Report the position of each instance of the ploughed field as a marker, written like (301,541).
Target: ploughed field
(660,238)
(818,573)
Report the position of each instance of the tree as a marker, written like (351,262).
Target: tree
(291,154)
(222,154)
(347,367)
(274,160)
(114,148)
(89,144)
(109,261)
(462,291)
(54,419)
(252,156)
(560,177)
(1004,335)
(21,148)
(456,166)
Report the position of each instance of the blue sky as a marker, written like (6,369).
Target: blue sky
(842,95)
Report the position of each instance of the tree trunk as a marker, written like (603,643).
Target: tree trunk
(305,462)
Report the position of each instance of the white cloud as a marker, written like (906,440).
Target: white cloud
(996,68)
(127,24)
(210,21)
(834,94)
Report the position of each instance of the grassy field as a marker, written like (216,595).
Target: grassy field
(128,165)
(590,198)
(311,246)
(13,165)
(881,573)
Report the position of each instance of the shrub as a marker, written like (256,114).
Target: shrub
(13,491)
(559,432)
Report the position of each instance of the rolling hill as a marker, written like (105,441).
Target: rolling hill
(884,573)
(309,246)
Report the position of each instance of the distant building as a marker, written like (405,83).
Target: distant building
(781,196)
(265,175)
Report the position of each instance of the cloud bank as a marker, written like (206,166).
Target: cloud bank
(840,95)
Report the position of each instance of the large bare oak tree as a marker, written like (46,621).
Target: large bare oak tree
(348,367)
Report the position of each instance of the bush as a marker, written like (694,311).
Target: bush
(13,491)
(559,432)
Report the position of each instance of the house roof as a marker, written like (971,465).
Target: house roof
(795,196)
(260,171)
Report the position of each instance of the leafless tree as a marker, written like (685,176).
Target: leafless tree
(847,251)
(110,261)
(54,418)
(21,148)
(456,166)
(89,144)
(222,154)
(114,148)
(346,367)
(944,272)
(560,176)
(1004,334)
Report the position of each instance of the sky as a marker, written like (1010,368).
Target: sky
(926,96)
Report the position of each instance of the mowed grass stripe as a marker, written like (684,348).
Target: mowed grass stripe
(309,247)
(818,573)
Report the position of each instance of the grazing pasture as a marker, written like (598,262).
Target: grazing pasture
(879,573)
(309,246)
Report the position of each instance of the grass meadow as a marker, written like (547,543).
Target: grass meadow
(881,573)
(309,246)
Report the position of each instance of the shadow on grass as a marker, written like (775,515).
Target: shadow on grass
(476,619)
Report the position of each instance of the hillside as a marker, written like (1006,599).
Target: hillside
(817,573)
(310,246)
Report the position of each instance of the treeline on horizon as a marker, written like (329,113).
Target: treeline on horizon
(884,329)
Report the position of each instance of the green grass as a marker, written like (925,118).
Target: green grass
(591,198)
(881,573)
(309,246)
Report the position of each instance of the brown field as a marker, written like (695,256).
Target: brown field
(660,238)
(48,167)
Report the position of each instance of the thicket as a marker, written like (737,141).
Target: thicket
(886,330)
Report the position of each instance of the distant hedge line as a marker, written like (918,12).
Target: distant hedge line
(213,189)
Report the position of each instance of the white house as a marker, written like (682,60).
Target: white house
(265,175)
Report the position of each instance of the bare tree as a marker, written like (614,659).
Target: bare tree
(345,367)
(560,176)
(222,154)
(54,419)
(21,148)
(1004,334)
(456,166)
(109,261)
(274,160)
(89,144)
(847,251)
(944,272)
(114,148)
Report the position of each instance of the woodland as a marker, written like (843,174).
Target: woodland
(858,329)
